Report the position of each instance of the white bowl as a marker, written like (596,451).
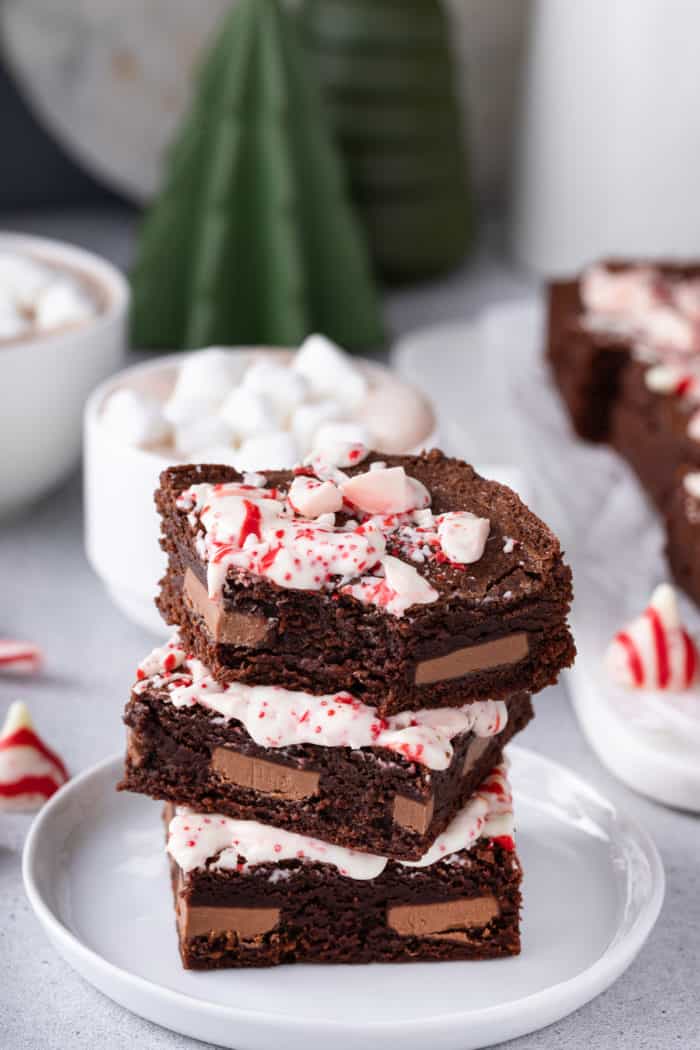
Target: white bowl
(121,526)
(45,379)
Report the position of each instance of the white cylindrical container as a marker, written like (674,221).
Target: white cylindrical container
(607,160)
(46,376)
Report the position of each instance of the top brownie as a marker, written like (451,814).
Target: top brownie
(410,580)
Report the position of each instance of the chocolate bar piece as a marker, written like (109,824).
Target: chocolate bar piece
(325,766)
(454,591)
(247,894)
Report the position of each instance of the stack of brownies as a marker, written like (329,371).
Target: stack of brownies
(357,640)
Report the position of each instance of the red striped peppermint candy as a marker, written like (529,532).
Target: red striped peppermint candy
(21,657)
(29,771)
(654,651)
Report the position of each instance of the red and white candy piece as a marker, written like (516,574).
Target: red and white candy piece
(310,498)
(29,772)
(654,651)
(19,657)
(629,291)
(389,491)
(463,536)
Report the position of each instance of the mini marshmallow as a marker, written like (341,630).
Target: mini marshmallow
(60,304)
(283,388)
(208,374)
(135,418)
(312,498)
(182,409)
(273,451)
(345,433)
(308,419)
(248,414)
(12,323)
(21,277)
(329,371)
(388,491)
(202,433)
(214,454)
(463,536)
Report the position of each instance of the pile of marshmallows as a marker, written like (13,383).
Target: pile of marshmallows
(36,298)
(228,409)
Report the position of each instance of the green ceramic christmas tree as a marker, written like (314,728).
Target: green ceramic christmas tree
(253,238)
(386,73)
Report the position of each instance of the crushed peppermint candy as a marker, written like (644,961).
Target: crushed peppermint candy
(222,843)
(19,657)
(292,537)
(401,587)
(660,314)
(463,536)
(275,717)
(691,484)
(311,498)
(387,491)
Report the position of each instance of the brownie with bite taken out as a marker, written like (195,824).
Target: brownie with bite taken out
(409,581)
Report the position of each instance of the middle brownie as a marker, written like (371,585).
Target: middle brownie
(325,766)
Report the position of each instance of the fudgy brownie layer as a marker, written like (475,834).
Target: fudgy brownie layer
(467,907)
(371,799)
(498,626)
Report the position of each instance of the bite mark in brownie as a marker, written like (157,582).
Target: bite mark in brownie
(502,619)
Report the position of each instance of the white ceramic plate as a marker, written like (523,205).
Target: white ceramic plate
(96,876)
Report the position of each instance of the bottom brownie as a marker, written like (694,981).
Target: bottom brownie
(247,894)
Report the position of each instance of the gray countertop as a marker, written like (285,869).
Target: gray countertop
(48,594)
